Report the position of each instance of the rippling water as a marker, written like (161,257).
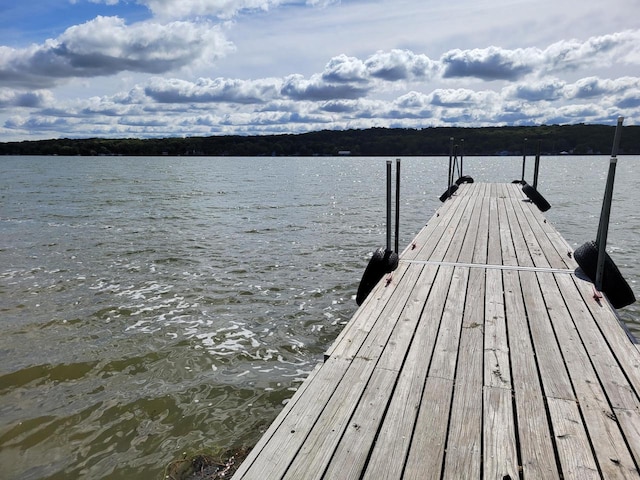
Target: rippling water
(156,306)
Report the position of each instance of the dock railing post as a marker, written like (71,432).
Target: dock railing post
(603,226)
(524,158)
(461,156)
(388,205)
(536,168)
(450,175)
(397,225)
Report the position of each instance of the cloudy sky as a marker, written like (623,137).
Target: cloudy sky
(159,68)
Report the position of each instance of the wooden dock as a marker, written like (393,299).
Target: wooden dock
(484,356)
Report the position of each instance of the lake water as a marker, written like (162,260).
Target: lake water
(152,307)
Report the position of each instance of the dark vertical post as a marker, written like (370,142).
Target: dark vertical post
(397,203)
(461,156)
(603,226)
(450,164)
(524,158)
(537,166)
(388,205)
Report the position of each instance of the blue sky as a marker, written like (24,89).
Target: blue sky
(164,68)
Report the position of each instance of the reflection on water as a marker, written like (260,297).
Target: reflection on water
(155,306)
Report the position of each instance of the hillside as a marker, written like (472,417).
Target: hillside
(555,139)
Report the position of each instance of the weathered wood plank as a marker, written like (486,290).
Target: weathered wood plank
(630,423)
(464,442)
(351,454)
(555,247)
(614,334)
(444,229)
(445,357)
(507,247)
(494,251)
(429,438)
(521,250)
(497,370)
(538,239)
(366,317)
(499,435)
(553,372)
(294,425)
(574,450)
(467,237)
(536,445)
(451,249)
(351,344)
(480,251)
(314,454)
(619,392)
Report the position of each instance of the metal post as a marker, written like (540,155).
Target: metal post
(450,163)
(388,205)
(456,165)
(461,156)
(397,203)
(524,158)
(537,166)
(603,226)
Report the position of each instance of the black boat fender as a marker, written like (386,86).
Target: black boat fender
(382,262)
(614,286)
(536,197)
(450,191)
(464,179)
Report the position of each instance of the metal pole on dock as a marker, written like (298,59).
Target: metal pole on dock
(461,156)
(603,226)
(537,166)
(388,205)
(397,225)
(524,158)
(450,177)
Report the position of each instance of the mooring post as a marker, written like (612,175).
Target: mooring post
(397,225)
(461,156)
(537,166)
(603,226)
(524,157)
(388,205)
(450,175)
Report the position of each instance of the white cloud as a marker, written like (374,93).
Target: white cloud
(590,87)
(218,8)
(10,98)
(297,87)
(400,65)
(548,89)
(345,69)
(600,51)
(491,63)
(212,90)
(106,46)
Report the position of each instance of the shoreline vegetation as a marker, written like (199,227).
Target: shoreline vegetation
(577,139)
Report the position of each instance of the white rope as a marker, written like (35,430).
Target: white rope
(488,266)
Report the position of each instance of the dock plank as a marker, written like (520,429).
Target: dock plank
(536,443)
(499,448)
(464,442)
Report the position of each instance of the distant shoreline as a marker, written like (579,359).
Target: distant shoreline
(578,139)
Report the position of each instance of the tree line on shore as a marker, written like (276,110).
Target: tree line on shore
(577,139)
